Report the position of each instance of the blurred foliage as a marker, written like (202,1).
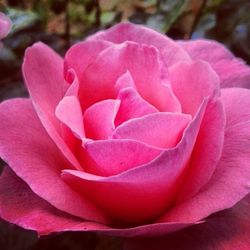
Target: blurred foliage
(60,23)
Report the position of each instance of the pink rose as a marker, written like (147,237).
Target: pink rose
(131,134)
(5,25)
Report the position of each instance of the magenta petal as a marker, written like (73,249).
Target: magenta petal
(132,106)
(233,71)
(142,193)
(192,82)
(230,181)
(158,129)
(171,51)
(69,112)
(81,55)
(99,119)
(33,156)
(43,73)
(228,230)
(115,156)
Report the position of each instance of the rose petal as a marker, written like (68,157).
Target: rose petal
(124,81)
(230,181)
(115,156)
(99,119)
(73,89)
(19,205)
(29,151)
(228,230)
(169,49)
(132,106)
(81,55)
(207,151)
(143,193)
(5,25)
(233,71)
(42,69)
(158,129)
(192,82)
(69,112)
(99,79)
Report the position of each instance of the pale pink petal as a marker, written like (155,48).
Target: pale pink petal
(207,151)
(233,71)
(132,106)
(140,194)
(19,205)
(33,156)
(81,55)
(230,181)
(112,157)
(5,25)
(69,112)
(171,51)
(43,74)
(158,129)
(99,119)
(145,66)
(192,82)
(228,230)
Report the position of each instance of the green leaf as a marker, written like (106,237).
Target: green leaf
(21,19)
(167,14)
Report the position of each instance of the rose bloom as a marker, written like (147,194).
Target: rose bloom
(131,134)
(5,26)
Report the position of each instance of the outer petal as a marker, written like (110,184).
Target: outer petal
(169,49)
(158,129)
(29,151)
(192,82)
(230,181)
(233,72)
(228,230)
(207,151)
(142,193)
(43,73)
(19,205)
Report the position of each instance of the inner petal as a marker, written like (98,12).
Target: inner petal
(144,64)
(111,157)
(132,106)
(124,81)
(99,119)
(158,129)
(69,112)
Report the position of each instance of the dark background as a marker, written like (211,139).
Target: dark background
(60,23)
